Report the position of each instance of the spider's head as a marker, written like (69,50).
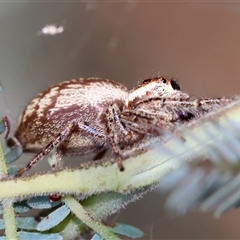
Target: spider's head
(158,87)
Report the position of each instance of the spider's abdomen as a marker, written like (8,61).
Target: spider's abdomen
(84,101)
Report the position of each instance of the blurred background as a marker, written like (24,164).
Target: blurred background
(195,43)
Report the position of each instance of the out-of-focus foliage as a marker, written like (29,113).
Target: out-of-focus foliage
(210,178)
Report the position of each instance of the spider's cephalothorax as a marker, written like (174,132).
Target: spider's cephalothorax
(90,115)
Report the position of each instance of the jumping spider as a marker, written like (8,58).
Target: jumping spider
(80,116)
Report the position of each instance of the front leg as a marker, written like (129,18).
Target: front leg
(147,122)
(157,115)
(164,113)
(160,114)
(212,104)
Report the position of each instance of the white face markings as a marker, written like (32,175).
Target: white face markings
(159,87)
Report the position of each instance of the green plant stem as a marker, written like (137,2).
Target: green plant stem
(8,210)
(3,166)
(140,171)
(83,215)
(9,221)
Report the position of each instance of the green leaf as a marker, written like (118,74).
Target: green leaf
(2,125)
(38,236)
(21,207)
(12,155)
(53,218)
(127,230)
(96,237)
(27,223)
(42,202)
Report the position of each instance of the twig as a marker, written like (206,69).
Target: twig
(83,215)
(8,210)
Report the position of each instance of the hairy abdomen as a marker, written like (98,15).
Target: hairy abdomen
(83,101)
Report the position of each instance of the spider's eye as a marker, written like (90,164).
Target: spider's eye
(175,86)
(164,80)
(146,80)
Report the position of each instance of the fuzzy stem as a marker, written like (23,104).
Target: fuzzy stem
(83,215)
(9,221)
(8,210)
(3,166)
(140,171)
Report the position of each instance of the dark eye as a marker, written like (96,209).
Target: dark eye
(146,80)
(164,80)
(175,86)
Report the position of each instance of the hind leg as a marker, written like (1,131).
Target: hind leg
(48,149)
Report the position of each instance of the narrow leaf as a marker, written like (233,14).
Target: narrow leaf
(53,218)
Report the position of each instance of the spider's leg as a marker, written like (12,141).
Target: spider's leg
(48,149)
(159,114)
(211,104)
(116,132)
(162,113)
(143,121)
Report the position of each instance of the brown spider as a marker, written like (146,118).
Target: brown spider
(80,116)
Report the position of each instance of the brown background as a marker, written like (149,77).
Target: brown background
(196,43)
